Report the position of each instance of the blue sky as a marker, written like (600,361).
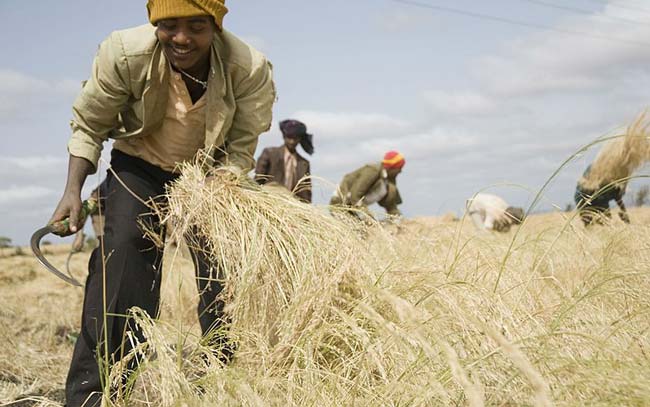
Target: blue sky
(470,102)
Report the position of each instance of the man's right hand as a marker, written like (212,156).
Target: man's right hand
(69,206)
(70,203)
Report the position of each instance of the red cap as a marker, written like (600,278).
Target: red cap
(393,159)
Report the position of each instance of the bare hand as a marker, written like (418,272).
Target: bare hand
(69,206)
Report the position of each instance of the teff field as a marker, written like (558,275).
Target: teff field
(329,313)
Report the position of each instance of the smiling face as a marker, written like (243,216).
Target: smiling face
(186,41)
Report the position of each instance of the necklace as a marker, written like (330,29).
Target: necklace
(204,84)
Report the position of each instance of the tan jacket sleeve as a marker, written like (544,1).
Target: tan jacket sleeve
(254,98)
(104,95)
(362,183)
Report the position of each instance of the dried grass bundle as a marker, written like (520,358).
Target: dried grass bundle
(284,263)
(300,287)
(620,156)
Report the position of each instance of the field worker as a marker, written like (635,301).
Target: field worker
(163,91)
(372,183)
(283,165)
(593,202)
(490,212)
(606,179)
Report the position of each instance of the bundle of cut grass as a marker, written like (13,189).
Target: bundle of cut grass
(284,264)
(293,275)
(620,156)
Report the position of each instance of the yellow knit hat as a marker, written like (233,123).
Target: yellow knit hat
(162,9)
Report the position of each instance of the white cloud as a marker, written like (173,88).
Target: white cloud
(519,80)
(25,193)
(551,61)
(459,102)
(19,90)
(10,166)
(12,82)
(418,148)
(17,83)
(352,126)
(424,145)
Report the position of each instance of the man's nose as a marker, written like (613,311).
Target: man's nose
(181,38)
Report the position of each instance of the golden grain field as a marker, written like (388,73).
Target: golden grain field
(430,312)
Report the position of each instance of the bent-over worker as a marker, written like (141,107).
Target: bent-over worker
(372,183)
(490,212)
(593,203)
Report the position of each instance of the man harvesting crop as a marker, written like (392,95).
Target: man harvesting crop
(490,212)
(163,91)
(592,202)
(606,179)
(372,183)
(283,165)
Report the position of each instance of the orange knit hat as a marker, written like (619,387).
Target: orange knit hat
(393,159)
(162,9)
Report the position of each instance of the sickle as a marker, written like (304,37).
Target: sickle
(35,243)
(67,262)
(61,228)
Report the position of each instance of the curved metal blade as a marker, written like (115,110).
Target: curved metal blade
(35,245)
(67,263)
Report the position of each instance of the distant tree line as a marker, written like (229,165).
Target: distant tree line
(4,242)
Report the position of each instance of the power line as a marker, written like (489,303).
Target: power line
(505,20)
(582,11)
(631,8)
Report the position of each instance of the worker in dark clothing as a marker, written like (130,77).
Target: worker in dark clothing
(283,165)
(593,203)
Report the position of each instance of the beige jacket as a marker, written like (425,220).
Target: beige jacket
(127,93)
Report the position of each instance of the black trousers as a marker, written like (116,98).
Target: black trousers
(129,276)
